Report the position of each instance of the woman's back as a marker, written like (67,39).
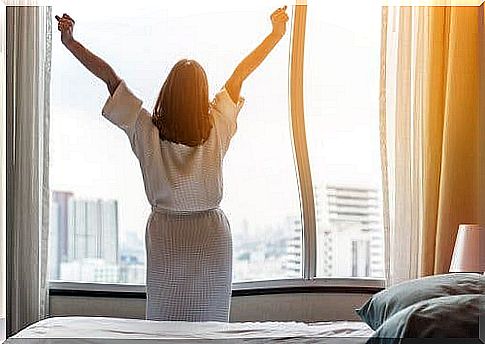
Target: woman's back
(176,177)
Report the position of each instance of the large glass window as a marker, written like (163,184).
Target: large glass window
(99,208)
(341,93)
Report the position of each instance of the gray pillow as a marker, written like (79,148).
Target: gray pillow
(397,297)
(443,317)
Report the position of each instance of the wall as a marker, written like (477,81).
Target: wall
(2,160)
(481,137)
(309,307)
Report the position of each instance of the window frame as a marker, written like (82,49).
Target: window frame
(354,285)
(308,280)
(300,149)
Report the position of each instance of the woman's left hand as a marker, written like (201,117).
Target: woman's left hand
(66,26)
(278,20)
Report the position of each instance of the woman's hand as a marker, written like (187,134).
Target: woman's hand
(66,26)
(257,56)
(279,19)
(92,62)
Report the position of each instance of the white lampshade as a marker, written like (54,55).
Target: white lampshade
(469,252)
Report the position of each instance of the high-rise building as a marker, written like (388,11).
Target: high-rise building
(349,233)
(93,229)
(58,237)
(292,264)
(82,230)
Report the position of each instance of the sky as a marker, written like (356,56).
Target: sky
(93,158)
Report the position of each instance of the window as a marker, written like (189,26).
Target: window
(98,205)
(99,209)
(341,93)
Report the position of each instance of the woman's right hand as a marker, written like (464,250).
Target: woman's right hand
(279,19)
(66,26)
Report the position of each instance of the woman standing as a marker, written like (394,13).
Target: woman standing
(180,147)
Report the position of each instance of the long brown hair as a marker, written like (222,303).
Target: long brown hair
(181,112)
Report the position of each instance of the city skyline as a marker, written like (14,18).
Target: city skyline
(349,242)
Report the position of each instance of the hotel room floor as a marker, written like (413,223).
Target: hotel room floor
(94,330)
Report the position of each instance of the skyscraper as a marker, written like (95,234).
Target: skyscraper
(93,229)
(58,241)
(80,230)
(349,233)
(294,247)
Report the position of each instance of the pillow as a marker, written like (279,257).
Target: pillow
(443,317)
(387,302)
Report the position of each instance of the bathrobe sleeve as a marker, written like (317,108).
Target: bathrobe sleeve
(225,113)
(122,108)
(125,110)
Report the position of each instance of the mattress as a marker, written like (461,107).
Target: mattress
(94,330)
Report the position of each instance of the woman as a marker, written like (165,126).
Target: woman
(180,148)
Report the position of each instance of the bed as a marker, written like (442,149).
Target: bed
(94,330)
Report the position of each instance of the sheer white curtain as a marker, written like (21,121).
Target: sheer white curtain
(400,139)
(28,71)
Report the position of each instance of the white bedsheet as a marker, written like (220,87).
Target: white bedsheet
(94,330)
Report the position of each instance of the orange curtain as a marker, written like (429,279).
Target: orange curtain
(450,132)
(429,115)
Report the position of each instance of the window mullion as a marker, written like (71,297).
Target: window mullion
(309,250)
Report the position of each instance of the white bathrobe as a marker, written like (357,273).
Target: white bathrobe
(188,238)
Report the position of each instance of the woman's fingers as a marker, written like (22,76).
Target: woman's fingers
(284,15)
(65,19)
(65,15)
(64,24)
(281,17)
(279,12)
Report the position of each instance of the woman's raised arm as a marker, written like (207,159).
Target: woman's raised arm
(257,56)
(93,63)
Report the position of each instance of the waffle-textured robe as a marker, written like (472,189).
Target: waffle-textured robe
(188,238)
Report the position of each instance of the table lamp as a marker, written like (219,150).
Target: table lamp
(469,252)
